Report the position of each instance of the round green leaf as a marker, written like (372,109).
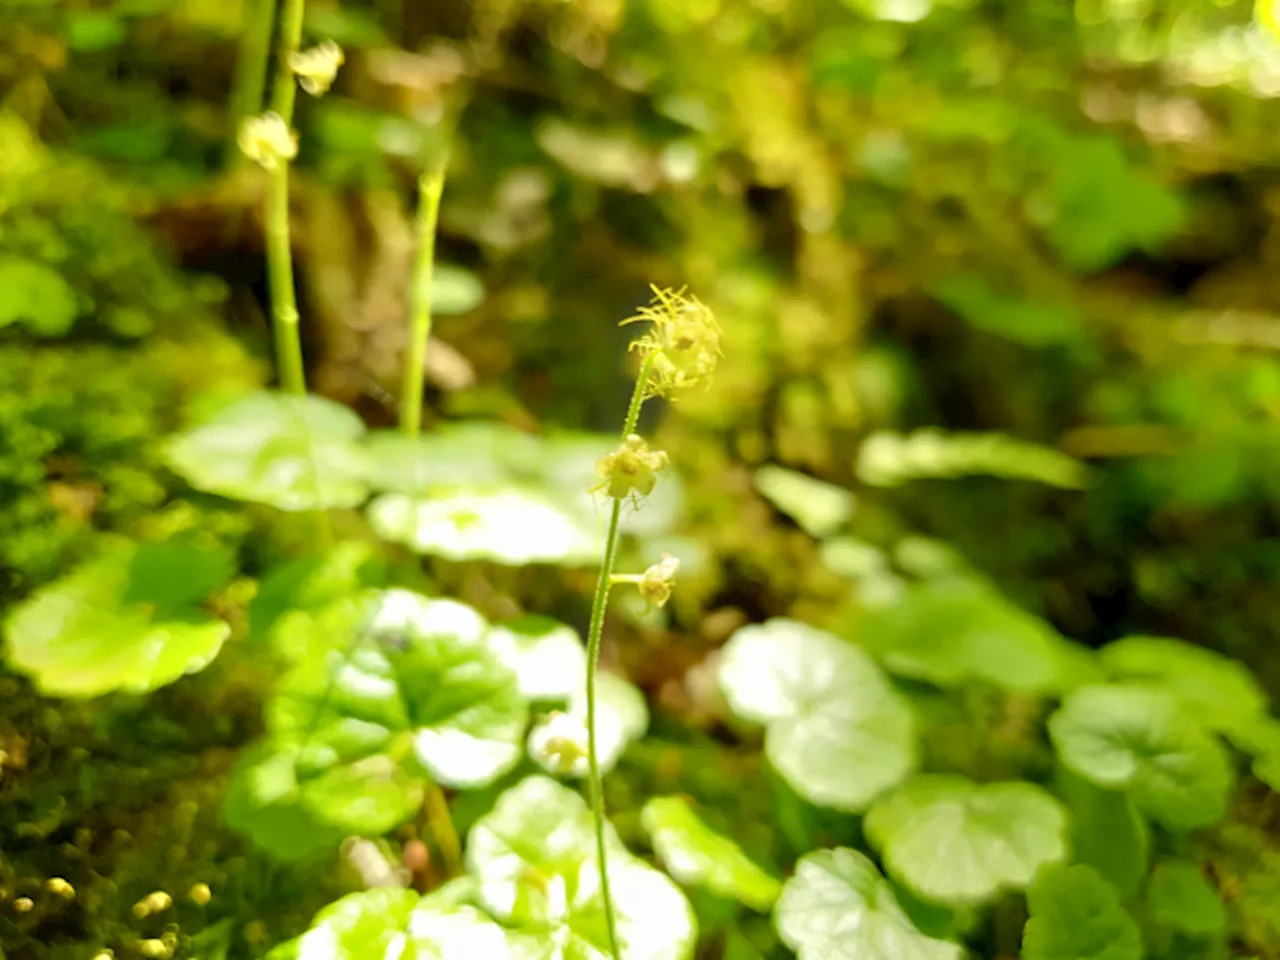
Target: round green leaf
(836,729)
(1076,915)
(396,924)
(955,632)
(1221,693)
(427,674)
(955,842)
(455,457)
(294,453)
(124,621)
(454,290)
(506,526)
(300,588)
(838,907)
(698,856)
(819,508)
(264,802)
(1141,738)
(547,656)
(534,857)
(1180,897)
(37,295)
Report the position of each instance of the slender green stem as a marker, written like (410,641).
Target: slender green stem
(285,91)
(252,63)
(440,822)
(430,186)
(598,606)
(284,305)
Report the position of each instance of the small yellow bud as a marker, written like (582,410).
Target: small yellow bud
(316,68)
(631,469)
(60,887)
(267,140)
(558,742)
(24,904)
(154,949)
(155,902)
(200,894)
(104,954)
(657,582)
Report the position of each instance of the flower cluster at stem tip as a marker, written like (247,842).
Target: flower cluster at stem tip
(683,341)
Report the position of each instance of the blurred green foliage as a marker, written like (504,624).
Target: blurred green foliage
(999,289)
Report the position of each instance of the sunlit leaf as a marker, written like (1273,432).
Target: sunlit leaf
(888,459)
(128,620)
(294,453)
(1220,693)
(838,907)
(1143,739)
(37,295)
(820,508)
(1076,915)
(836,729)
(547,656)
(534,856)
(698,856)
(953,632)
(263,801)
(454,290)
(957,842)
(506,526)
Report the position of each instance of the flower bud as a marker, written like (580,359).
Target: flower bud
(267,140)
(656,583)
(200,894)
(60,887)
(559,744)
(316,68)
(631,469)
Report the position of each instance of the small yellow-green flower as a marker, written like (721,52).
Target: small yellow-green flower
(316,68)
(684,340)
(657,582)
(267,140)
(631,470)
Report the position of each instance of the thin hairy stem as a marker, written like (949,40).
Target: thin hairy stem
(430,186)
(598,607)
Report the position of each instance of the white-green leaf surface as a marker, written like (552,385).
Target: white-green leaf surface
(294,453)
(818,507)
(534,859)
(960,843)
(1076,915)
(837,906)
(835,727)
(1144,739)
(128,620)
(697,856)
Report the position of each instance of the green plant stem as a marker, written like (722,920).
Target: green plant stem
(284,305)
(285,91)
(440,822)
(430,186)
(599,603)
(252,62)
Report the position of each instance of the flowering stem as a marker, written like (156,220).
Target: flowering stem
(598,606)
(430,186)
(251,67)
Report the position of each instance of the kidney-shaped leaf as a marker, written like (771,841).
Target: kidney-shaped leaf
(547,656)
(837,906)
(1220,693)
(125,621)
(392,923)
(955,842)
(534,857)
(836,729)
(698,856)
(1142,738)
(1076,915)
(294,453)
(955,631)
(1182,898)
(426,673)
